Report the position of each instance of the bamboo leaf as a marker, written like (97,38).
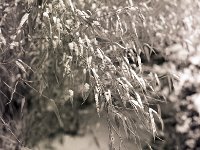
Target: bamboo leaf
(20,65)
(22,104)
(96,98)
(127,82)
(55,109)
(169,78)
(19,60)
(151,112)
(125,127)
(159,117)
(134,103)
(108,96)
(140,80)
(139,62)
(153,125)
(23,20)
(138,98)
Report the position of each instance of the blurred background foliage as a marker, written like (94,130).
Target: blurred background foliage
(123,58)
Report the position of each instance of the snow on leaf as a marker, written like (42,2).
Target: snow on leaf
(89,61)
(85,90)
(19,60)
(142,83)
(108,95)
(134,103)
(19,64)
(139,63)
(23,20)
(127,82)
(96,97)
(120,81)
(126,60)
(99,54)
(71,95)
(153,125)
(157,79)
(95,74)
(139,100)
(71,5)
(175,76)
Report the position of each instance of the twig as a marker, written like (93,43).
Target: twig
(9,130)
